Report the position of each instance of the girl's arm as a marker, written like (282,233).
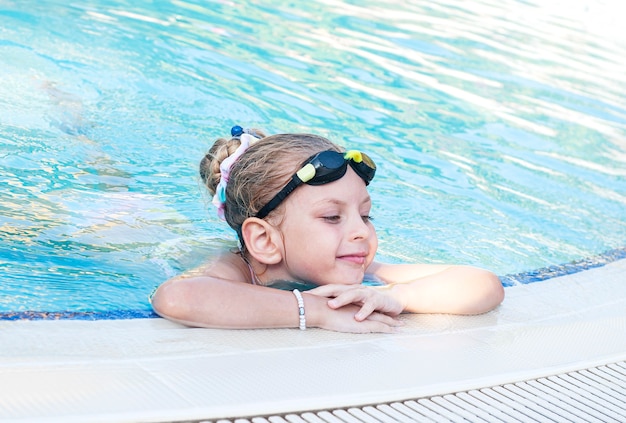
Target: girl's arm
(442,289)
(419,288)
(207,301)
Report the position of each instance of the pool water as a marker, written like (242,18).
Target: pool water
(499,130)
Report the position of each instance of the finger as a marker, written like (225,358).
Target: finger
(353,296)
(381,327)
(329,290)
(386,319)
(367,309)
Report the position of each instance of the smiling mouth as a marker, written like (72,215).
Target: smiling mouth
(353,258)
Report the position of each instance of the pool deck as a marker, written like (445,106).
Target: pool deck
(152,370)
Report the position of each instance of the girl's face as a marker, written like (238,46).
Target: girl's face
(328,237)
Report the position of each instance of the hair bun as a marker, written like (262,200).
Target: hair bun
(210,163)
(221,149)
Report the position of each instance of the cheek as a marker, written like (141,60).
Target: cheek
(304,240)
(373,242)
(374,235)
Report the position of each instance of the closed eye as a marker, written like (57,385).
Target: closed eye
(367,218)
(332,219)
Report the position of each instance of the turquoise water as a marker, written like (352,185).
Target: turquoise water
(499,129)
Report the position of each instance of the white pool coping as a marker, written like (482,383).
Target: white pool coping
(152,370)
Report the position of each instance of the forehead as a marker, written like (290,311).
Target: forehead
(350,189)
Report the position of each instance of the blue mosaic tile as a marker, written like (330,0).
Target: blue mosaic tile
(78,315)
(550,272)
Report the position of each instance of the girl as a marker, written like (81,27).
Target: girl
(301,210)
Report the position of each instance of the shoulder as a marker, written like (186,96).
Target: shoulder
(227,265)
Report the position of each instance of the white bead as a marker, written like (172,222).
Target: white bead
(301,313)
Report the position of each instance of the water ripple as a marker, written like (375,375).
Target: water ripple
(498,128)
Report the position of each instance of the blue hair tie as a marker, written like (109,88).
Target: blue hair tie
(237,131)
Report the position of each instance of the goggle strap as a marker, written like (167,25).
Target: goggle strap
(278,198)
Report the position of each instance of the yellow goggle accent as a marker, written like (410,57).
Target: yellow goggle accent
(306,173)
(354,155)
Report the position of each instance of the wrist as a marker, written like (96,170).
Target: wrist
(398,291)
(301,309)
(315,307)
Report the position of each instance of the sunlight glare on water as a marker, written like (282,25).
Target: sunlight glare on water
(498,129)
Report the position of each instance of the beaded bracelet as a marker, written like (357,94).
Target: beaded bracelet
(300,309)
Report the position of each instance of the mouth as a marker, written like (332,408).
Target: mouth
(357,258)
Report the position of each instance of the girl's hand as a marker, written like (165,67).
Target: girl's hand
(373,301)
(342,320)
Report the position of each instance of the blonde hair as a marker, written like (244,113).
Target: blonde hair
(260,172)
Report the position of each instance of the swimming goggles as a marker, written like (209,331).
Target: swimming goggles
(323,168)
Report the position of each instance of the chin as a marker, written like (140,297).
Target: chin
(341,281)
(350,277)
(352,281)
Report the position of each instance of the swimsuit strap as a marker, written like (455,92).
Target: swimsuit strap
(253,277)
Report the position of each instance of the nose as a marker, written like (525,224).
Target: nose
(359,228)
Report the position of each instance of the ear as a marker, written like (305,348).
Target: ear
(263,241)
